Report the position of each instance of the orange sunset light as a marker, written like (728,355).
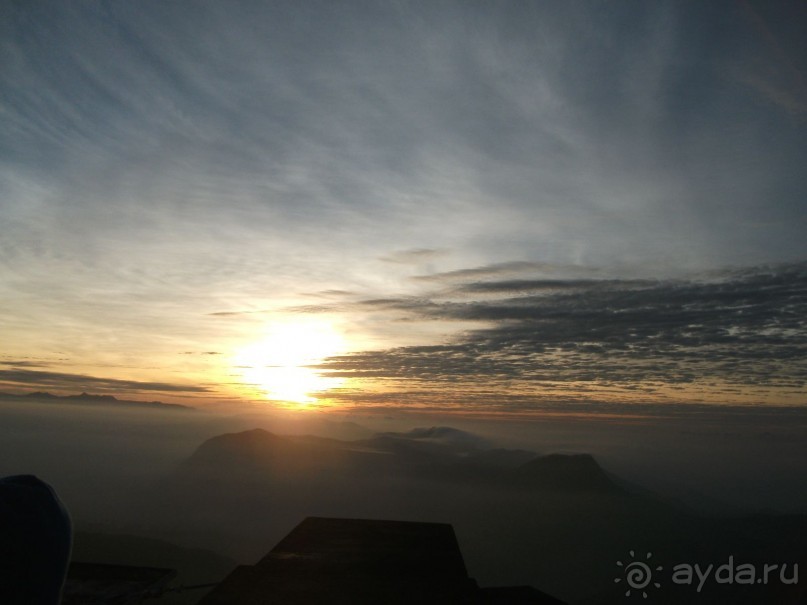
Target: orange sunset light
(279,364)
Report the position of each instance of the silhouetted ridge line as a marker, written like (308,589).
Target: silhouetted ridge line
(260,455)
(89,398)
(565,471)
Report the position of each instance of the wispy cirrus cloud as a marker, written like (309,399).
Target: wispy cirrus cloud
(501,270)
(774,73)
(162,161)
(413,257)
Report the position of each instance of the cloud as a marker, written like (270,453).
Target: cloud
(187,142)
(160,163)
(330,293)
(21,363)
(792,101)
(21,378)
(780,79)
(235,313)
(500,269)
(537,285)
(413,257)
(746,329)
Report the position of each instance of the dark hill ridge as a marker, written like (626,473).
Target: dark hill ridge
(260,449)
(89,398)
(500,458)
(265,455)
(548,510)
(564,472)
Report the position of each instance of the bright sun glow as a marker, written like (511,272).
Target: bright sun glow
(278,364)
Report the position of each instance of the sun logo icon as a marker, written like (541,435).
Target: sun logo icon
(637,574)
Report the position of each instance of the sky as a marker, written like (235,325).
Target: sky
(491,208)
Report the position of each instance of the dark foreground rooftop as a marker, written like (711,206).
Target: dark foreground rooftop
(361,561)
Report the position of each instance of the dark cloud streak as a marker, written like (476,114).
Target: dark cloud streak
(747,329)
(60,380)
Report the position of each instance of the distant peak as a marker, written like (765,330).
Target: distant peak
(439,433)
(435,431)
(251,436)
(89,398)
(566,471)
(92,397)
(255,433)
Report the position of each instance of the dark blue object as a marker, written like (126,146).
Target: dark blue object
(35,541)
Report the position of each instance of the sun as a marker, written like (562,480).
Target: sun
(279,365)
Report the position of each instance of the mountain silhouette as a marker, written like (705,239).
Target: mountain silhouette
(91,399)
(240,489)
(564,472)
(437,453)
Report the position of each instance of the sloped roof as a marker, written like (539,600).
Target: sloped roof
(361,561)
